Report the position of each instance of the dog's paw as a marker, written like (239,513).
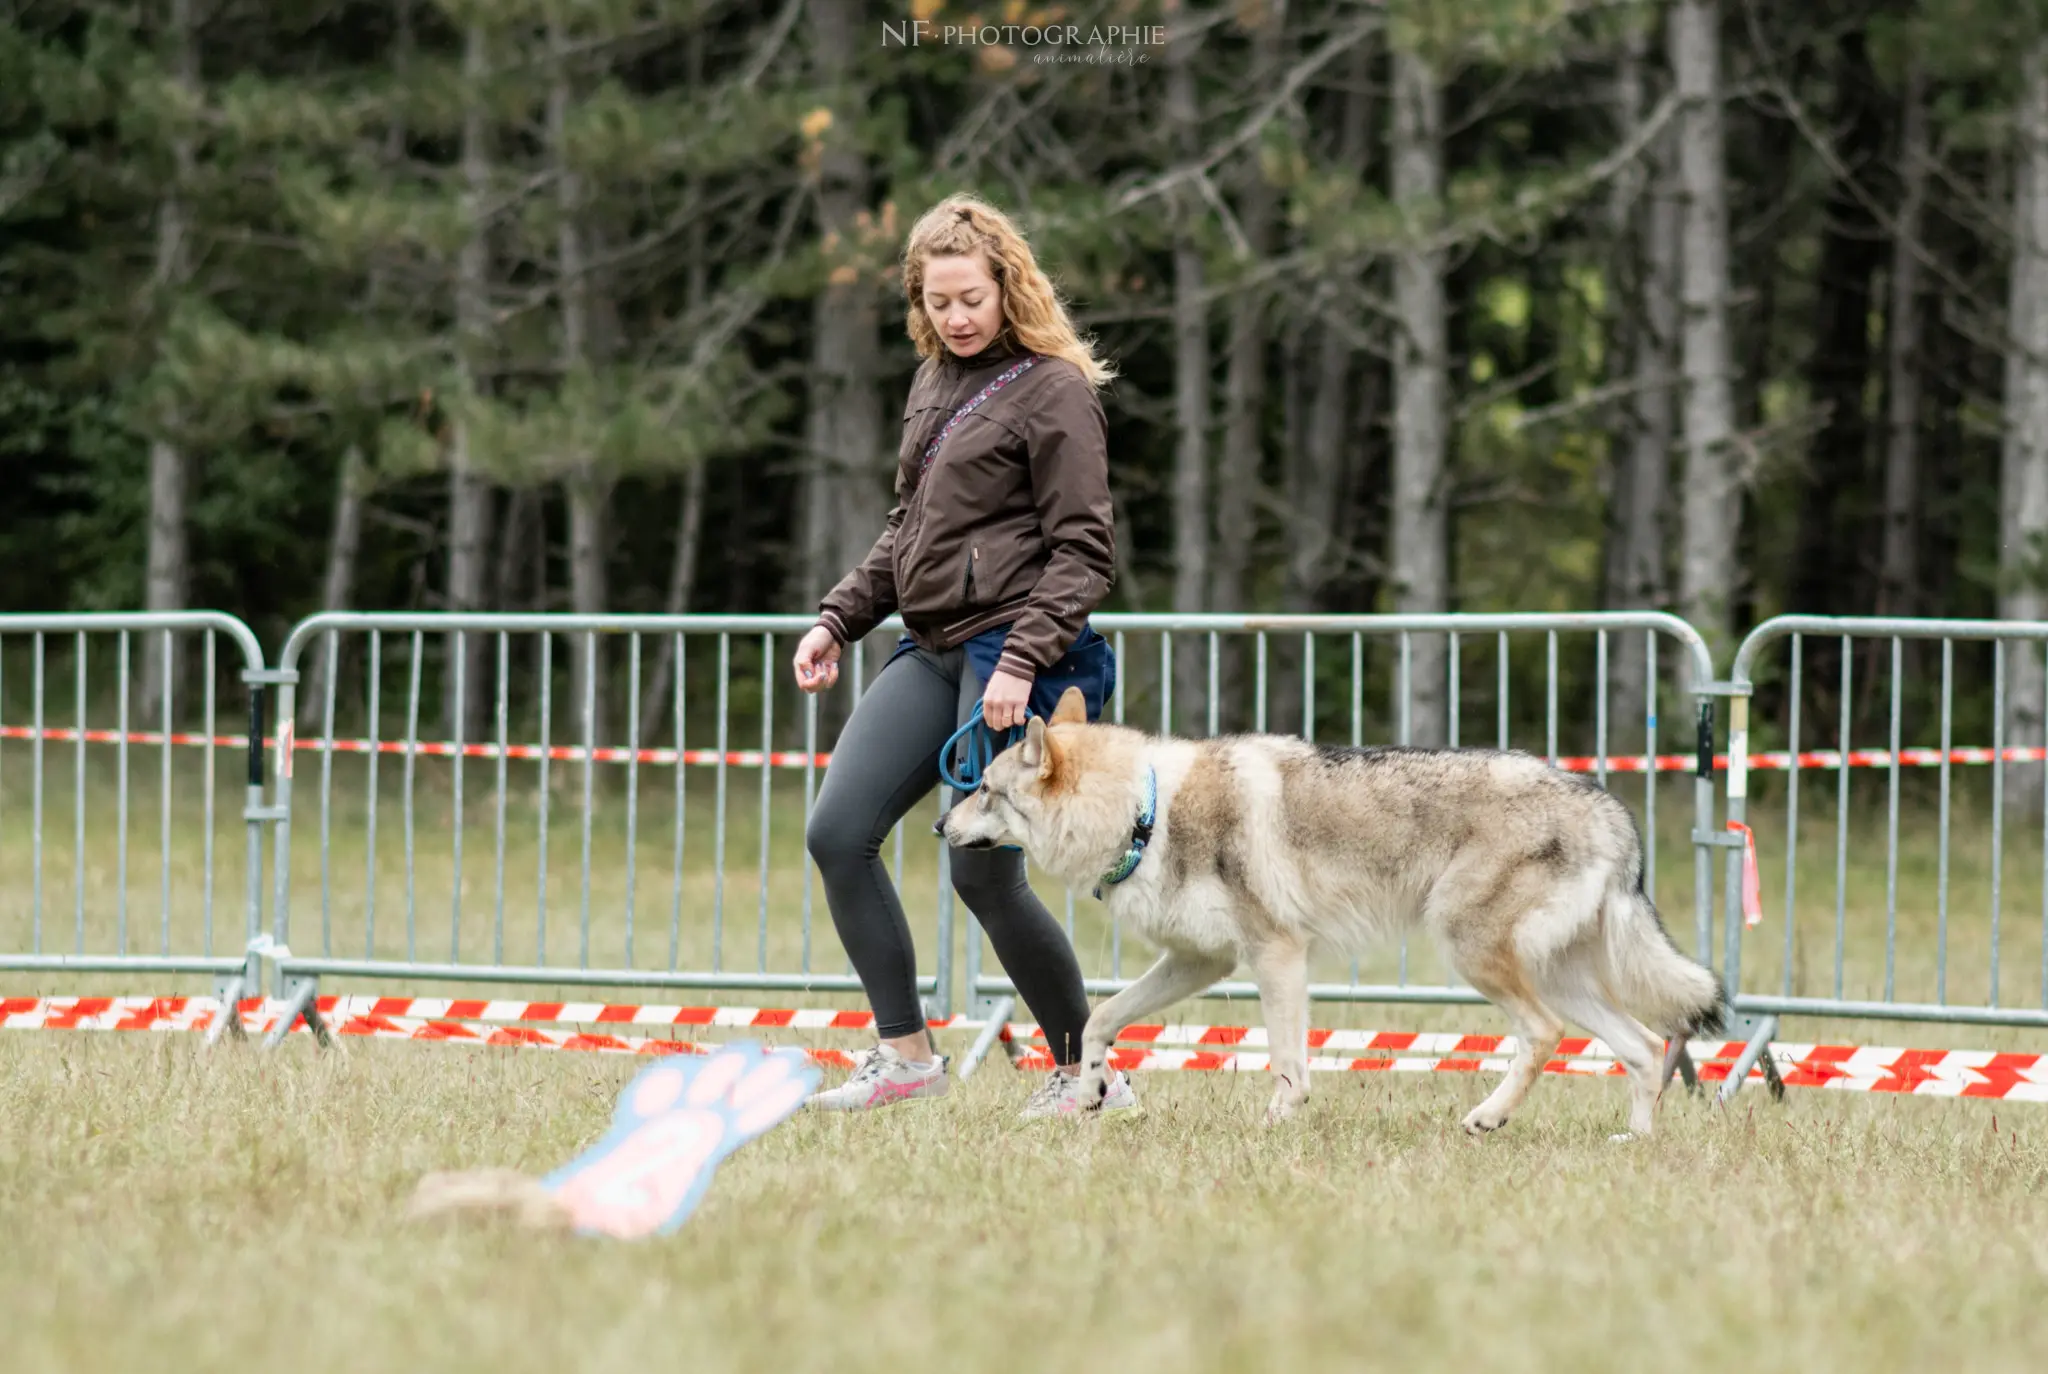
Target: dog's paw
(1287,1099)
(1094,1089)
(1480,1120)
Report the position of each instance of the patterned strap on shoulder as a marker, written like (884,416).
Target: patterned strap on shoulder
(1008,375)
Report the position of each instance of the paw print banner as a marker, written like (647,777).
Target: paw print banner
(675,1123)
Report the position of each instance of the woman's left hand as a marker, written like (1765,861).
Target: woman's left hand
(1006,701)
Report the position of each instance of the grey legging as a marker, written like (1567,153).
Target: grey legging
(887,759)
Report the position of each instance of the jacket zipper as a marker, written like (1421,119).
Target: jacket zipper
(913,520)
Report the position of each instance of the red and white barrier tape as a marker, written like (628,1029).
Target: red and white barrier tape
(1927,1073)
(559,753)
(607,1013)
(461,1009)
(337,1008)
(1934,1073)
(1818,759)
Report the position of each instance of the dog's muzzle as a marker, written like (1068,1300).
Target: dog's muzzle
(939,829)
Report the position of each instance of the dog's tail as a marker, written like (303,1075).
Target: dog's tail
(1674,995)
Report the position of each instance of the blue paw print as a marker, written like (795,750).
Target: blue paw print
(674,1124)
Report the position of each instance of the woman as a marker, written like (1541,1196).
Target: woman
(999,547)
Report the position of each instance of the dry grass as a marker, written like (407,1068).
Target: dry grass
(246,1211)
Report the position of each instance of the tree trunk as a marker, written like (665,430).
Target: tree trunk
(589,511)
(1775,159)
(1829,570)
(1648,223)
(1420,538)
(1318,460)
(1191,380)
(168,582)
(352,482)
(1315,474)
(587,488)
(1316,471)
(1706,580)
(523,527)
(170,572)
(404,48)
(682,573)
(1774,155)
(1294,357)
(658,717)
(1130,583)
(1957,371)
(1359,576)
(2023,507)
(845,500)
(1898,572)
(469,492)
(1244,398)
(344,544)
(1238,474)
(846,497)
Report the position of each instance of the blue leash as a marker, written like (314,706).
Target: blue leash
(981,751)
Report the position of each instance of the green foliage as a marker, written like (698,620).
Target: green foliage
(329,209)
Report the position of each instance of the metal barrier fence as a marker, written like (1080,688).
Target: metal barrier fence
(695,915)
(1903,669)
(642,825)
(757,923)
(171,926)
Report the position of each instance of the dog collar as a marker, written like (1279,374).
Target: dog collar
(1141,835)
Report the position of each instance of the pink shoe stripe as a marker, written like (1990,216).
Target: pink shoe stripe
(886,1091)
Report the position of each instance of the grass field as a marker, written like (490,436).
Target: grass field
(248,1208)
(246,1212)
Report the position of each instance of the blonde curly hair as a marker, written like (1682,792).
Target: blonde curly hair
(1032,309)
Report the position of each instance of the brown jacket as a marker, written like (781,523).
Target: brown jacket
(1010,523)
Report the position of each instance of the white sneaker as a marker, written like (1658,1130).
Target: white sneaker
(881,1077)
(1060,1095)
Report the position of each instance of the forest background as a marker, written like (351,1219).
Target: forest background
(1725,308)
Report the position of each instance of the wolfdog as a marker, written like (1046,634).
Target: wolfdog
(1265,848)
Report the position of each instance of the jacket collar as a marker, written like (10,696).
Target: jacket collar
(1004,348)
(1141,836)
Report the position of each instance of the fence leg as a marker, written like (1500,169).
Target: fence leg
(996,1014)
(303,1004)
(229,994)
(1762,1029)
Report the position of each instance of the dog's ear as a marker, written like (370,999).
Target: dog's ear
(1032,749)
(1072,710)
(1049,766)
(1038,752)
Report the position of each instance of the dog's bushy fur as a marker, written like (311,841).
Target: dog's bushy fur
(1267,847)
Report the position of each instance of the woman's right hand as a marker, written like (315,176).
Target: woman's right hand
(817,660)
